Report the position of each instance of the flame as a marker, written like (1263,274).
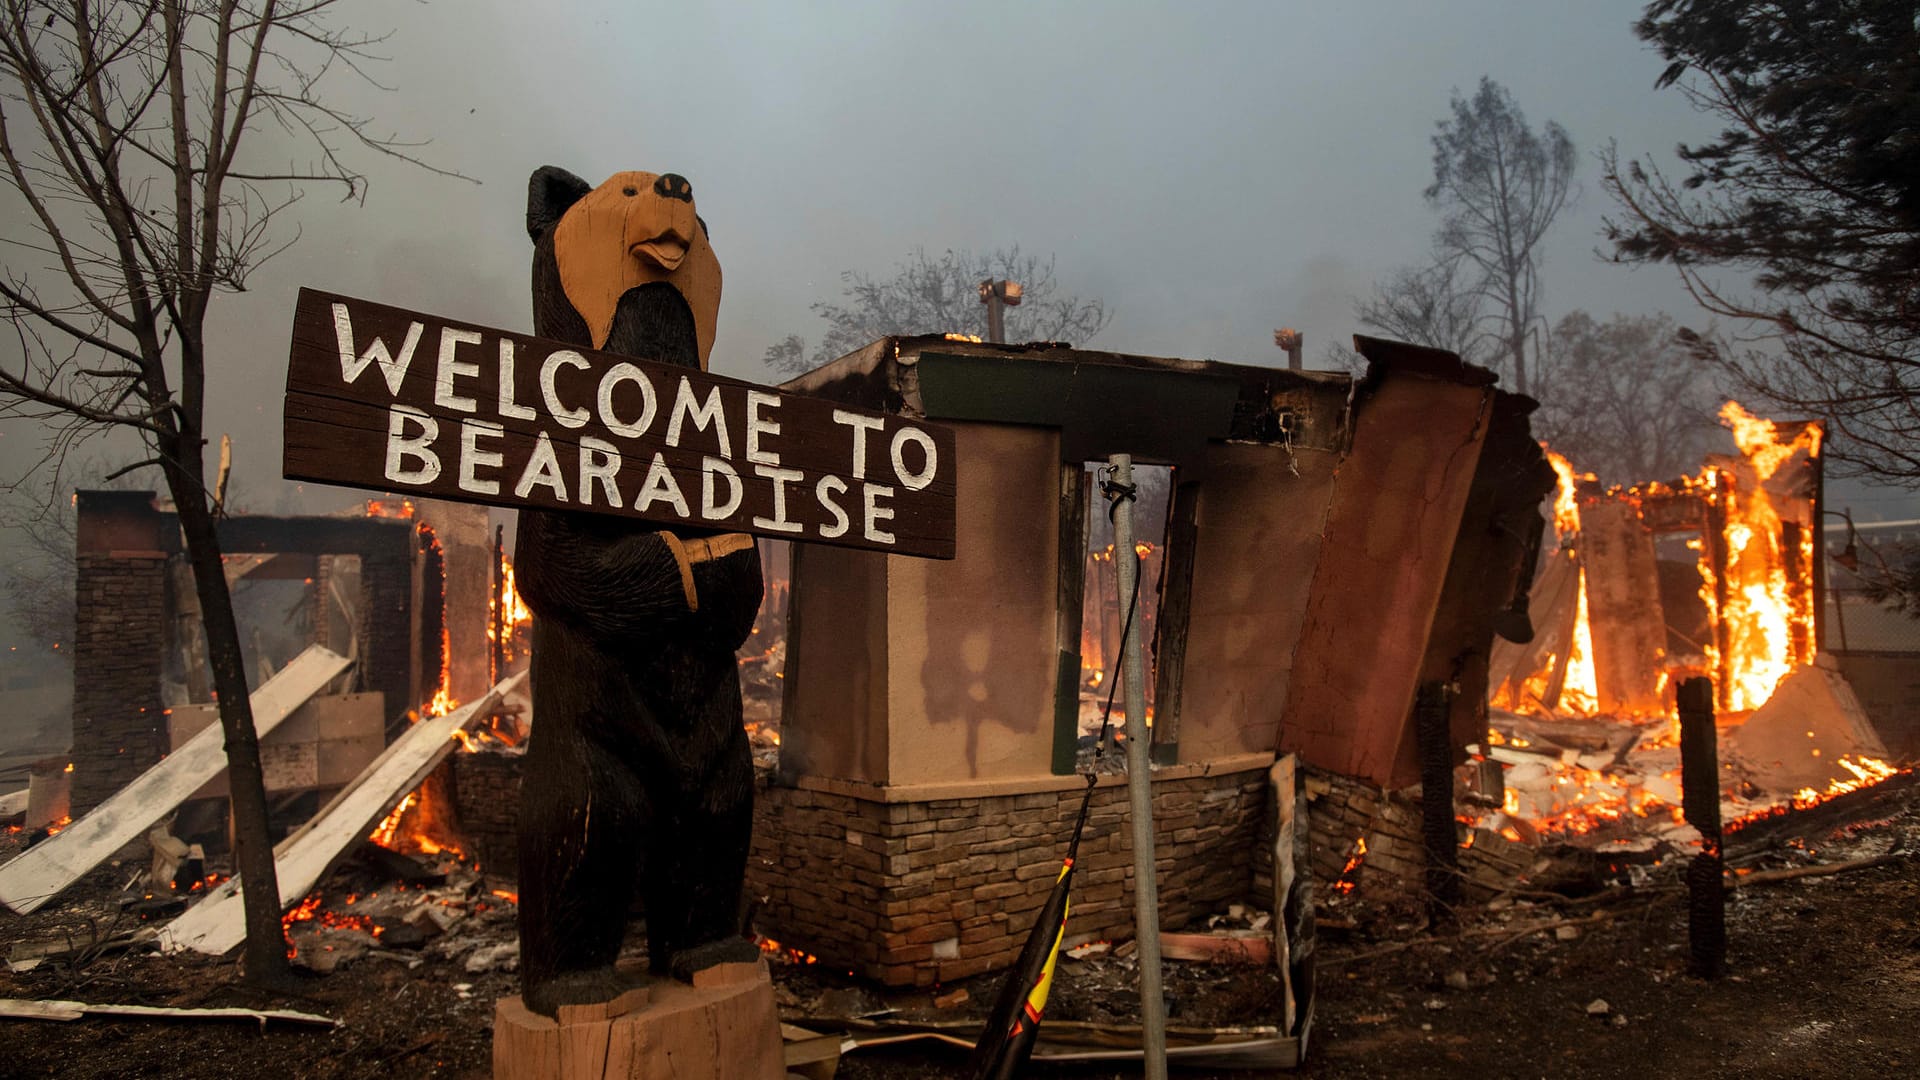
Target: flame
(1566,511)
(390,508)
(1349,875)
(1580,692)
(1579,685)
(1867,771)
(508,611)
(1759,440)
(383,833)
(1767,619)
(1760,611)
(776,951)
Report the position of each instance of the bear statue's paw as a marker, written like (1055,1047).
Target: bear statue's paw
(732,950)
(591,987)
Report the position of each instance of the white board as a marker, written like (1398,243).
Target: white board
(41,871)
(218,923)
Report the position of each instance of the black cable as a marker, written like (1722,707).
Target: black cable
(1106,716)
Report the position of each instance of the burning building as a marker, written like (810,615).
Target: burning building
(1718,574)
(934,712)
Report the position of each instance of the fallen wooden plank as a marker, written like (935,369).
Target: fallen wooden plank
(24,1009)
(1252,947)
(1816,870)
(42,871)
(32,952)
(1062,1042)
(217,924)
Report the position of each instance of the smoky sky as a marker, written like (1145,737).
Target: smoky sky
(1210,171)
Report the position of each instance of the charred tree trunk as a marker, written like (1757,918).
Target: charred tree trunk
(1700,801)
(266,956)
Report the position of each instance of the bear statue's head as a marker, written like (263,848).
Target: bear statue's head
(624,267)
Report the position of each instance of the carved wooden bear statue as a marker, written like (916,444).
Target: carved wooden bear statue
(638,772)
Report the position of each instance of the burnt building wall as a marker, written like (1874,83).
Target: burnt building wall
(119,721)
(121,553)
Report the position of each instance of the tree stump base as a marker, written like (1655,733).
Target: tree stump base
(722,1027)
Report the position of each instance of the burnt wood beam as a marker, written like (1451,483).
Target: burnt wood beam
(1069,594)
(1170,625)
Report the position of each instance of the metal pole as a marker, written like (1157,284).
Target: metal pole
(1146,887)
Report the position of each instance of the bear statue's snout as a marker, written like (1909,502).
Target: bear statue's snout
(665,249)
(673,186)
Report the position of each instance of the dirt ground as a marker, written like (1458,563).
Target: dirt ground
(1824,981)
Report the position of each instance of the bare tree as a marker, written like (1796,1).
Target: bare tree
(1498,186)
(40,567)
(927,295)
(1626,398)
(124,130)
(1429,305)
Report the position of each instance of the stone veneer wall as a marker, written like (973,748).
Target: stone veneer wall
(919,892)
(119,723)
(1342,809)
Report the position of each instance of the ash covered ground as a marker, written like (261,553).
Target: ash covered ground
(1824,980)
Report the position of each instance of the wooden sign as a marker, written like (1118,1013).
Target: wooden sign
(393,400)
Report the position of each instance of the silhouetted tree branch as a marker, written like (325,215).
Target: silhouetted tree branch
(1800,221)
(928,295)
(129,134)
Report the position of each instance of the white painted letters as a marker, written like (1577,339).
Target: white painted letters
(562,415)
(877,513)
(543,470)
(710,468)
(839,526)
(599,461)
(756,427)
(472,457)
(703,416)
(781,478)
(392,368)
(508,406)
(660,486)
(443,376)
(401,447)
(930,458)
(648,405)
(860,425)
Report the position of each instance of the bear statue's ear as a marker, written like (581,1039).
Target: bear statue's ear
(550,191)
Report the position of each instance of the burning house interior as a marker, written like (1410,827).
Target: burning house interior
(1401,658)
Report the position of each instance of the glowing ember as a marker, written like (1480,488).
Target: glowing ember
(1866,772)
(390,508)
(383,833)
(776,951)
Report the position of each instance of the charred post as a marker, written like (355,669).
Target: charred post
(1700,783)
(1432,712)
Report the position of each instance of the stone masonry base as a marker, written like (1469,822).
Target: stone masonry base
(912,893)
